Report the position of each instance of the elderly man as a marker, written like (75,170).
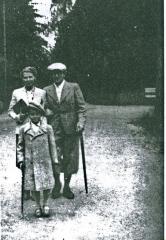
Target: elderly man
(67,115)
(27,93)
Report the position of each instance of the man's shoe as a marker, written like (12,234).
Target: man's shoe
(67,193)
(27,195)
(56,191)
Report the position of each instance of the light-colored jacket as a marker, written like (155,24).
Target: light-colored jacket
(37,150)
(39,96)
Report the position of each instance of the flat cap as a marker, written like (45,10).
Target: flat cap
(57,66)
(37,107)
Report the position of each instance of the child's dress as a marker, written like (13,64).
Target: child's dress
(37,150)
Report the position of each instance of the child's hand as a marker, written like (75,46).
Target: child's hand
(21,166)
(56,161)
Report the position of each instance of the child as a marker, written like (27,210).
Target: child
(38,156)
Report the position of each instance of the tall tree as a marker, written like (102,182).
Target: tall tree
(111,47)
(24,45)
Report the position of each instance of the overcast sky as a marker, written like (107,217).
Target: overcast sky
(43,8)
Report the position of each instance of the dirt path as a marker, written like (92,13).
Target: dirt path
(125,200)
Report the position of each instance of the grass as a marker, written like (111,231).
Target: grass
(152,126)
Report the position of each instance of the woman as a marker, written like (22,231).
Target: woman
(27,93)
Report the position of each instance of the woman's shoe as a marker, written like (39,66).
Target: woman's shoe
(38,212)
(46,211)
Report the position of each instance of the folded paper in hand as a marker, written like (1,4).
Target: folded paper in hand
(20,107)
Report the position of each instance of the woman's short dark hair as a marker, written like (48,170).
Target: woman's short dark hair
(29,69)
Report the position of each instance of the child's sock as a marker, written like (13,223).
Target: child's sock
(46,194)
(36,195)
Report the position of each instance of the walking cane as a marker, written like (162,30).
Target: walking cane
(22,178)
(21,107)
(22,186)
(83,162)
(22,193)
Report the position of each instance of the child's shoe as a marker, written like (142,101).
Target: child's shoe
(46,211)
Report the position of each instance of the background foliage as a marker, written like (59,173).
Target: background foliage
(24,46)
(113,49)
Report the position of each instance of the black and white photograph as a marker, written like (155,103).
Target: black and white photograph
(82,119)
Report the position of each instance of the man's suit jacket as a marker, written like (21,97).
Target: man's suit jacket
(69,111)
(39,97)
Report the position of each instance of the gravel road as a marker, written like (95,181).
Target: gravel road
(125,180)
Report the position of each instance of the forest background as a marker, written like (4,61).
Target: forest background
(113,49)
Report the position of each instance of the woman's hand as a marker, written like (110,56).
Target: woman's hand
(20,118)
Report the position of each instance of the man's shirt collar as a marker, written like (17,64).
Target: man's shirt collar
(60,85)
